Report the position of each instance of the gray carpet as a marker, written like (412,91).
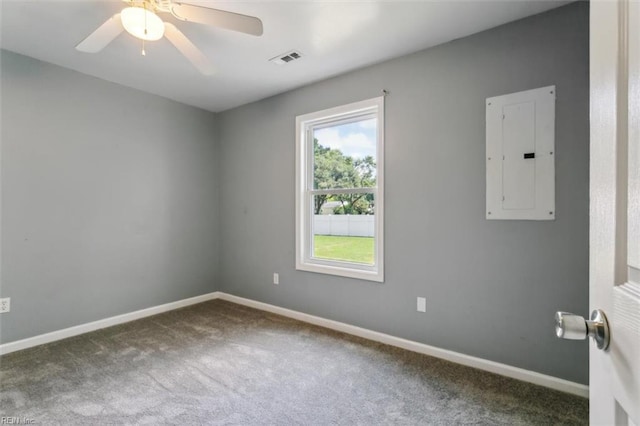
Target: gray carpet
(221,363)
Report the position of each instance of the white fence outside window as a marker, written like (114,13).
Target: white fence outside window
(344,225)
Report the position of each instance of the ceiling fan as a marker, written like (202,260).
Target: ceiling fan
(140,19)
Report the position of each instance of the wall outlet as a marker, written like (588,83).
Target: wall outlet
(276,278)
(5,305)
(422,304)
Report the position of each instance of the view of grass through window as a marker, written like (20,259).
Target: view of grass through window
(340,191)
(347,249)
(345,160)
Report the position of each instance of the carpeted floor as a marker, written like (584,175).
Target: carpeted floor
(221,363)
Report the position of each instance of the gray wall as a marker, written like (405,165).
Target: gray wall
(492,287)
(109,199)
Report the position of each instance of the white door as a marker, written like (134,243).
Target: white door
(614,374)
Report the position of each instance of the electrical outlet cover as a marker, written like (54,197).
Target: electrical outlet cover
(5,305)
(422,304)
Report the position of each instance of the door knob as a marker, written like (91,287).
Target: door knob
(574,327)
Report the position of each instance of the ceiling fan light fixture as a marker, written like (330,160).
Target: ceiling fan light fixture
(142,23)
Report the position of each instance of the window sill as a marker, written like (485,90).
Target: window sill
(369,275)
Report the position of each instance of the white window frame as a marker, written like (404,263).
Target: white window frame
(305,191)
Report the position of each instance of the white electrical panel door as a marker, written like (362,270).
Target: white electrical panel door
(520,155)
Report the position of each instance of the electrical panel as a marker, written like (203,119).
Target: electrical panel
(520,155)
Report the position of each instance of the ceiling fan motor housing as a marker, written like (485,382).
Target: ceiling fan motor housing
(154,5)
(162,5)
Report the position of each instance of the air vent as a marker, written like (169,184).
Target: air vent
(285,58)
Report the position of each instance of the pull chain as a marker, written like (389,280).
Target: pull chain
(144,53)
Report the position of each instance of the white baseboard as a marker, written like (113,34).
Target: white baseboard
(103,323)
(470,361)
(458,358)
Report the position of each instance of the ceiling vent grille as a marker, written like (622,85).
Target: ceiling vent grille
(285,58)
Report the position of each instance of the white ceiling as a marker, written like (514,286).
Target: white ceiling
(334,37)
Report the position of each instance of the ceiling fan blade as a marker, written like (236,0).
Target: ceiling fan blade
(104,35)
(218,18)
(188,49)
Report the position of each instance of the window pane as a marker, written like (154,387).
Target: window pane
(344,155)
(339,227)
(343,228)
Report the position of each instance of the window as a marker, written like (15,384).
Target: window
(339,190)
